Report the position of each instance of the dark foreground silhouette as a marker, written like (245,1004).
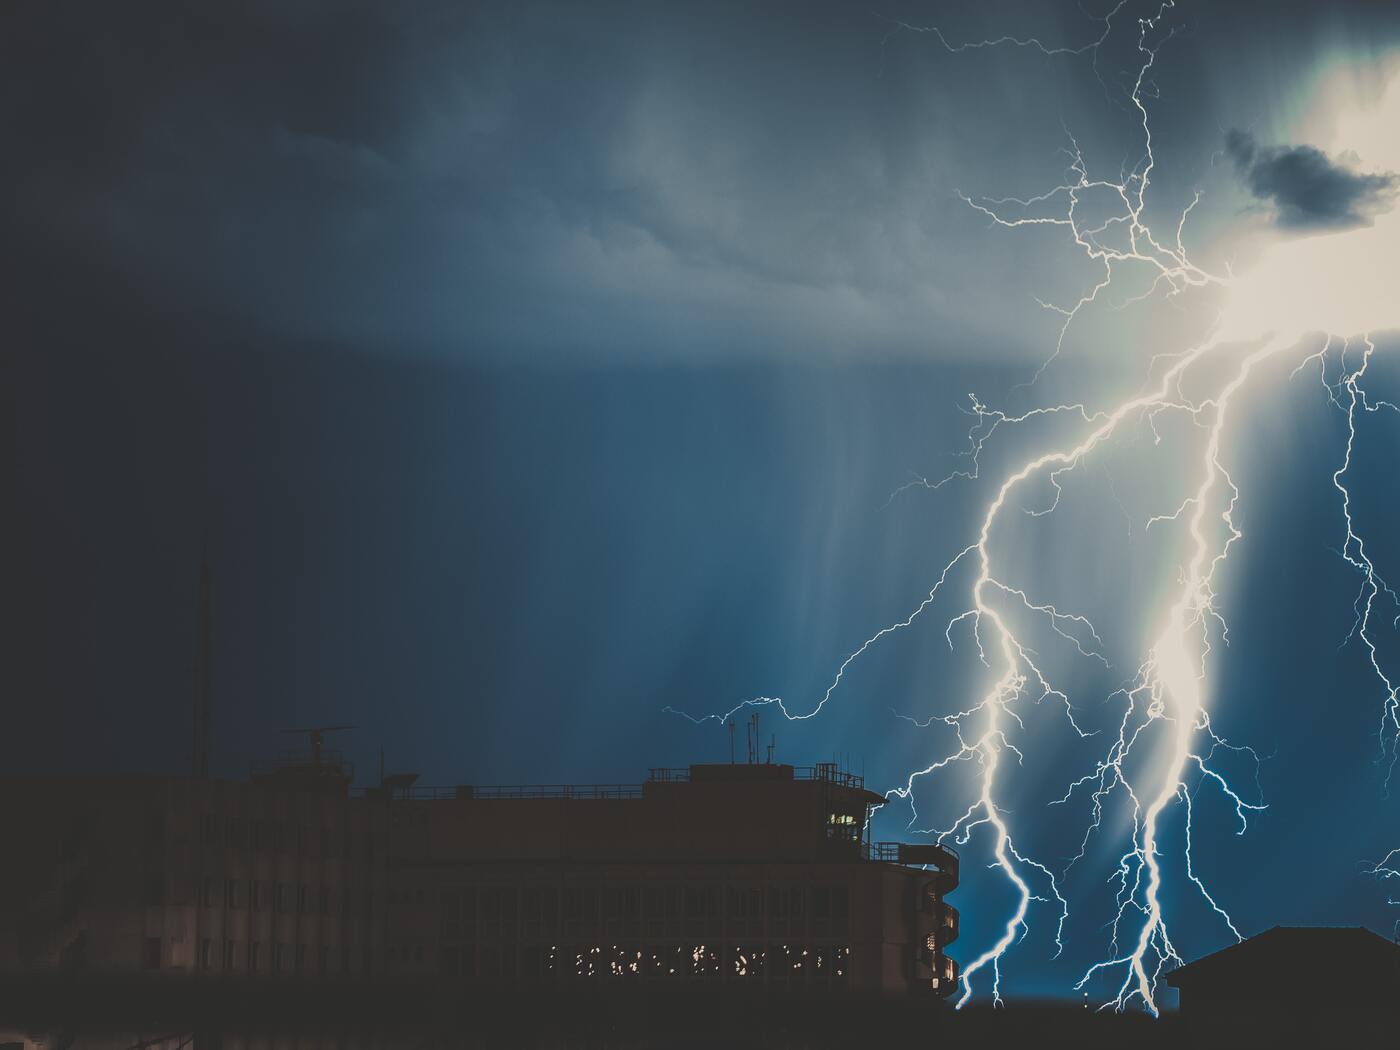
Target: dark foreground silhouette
(167,1014)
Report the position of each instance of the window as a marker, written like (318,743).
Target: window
(254,951)
(536,960)
(279,952)
(820,899)
(458,913)
(539,911)
(702,911)
(498,909)
(230,954)
(155,890)
(325,900)
(281,898)
(796,900)
(498,960)
(777,910)
(207,892)
(235,893)
(301,958)
(206,953)
(150,953)
(654,911)
(255,895)
(840,909)
(580,911)
(841,965)
(303,899)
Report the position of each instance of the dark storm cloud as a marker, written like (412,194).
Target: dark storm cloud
(655,178)
(540,177)
(1308,188)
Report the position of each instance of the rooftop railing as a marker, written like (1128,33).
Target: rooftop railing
(329,762)
(828,772)
(825,772)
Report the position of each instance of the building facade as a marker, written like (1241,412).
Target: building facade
(751,875)
(282,876)
(748,874)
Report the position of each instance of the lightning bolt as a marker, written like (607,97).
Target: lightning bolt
(1164,704)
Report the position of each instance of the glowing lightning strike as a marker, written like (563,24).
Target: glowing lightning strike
(1354,553)
(1164,708)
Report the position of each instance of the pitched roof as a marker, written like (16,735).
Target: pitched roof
(1340,946)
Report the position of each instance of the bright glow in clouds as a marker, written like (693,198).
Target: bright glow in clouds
(1344,284)
(1315,298)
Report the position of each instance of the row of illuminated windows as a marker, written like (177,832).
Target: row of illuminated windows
(273,958)
(470,912)
(735,962)
(282,898)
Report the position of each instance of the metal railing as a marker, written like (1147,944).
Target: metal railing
(668,776)
(331,761)
(827,772)
(890,852)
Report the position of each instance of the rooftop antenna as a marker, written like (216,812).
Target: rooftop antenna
(201,673)
(772,743)
(317,735)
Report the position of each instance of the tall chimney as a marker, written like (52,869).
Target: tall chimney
(201,675)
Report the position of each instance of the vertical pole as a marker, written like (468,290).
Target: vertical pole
(201,675)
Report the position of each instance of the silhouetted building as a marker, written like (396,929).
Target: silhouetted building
(1292,983)
(749,875)
(282,876)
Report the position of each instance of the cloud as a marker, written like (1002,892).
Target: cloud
(1309,189)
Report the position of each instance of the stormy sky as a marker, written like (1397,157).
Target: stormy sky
(528,368)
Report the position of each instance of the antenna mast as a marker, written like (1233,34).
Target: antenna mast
(201,674)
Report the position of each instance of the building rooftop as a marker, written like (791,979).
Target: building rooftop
(728,773)
(1348,948)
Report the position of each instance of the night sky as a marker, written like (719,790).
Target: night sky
(528,369)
